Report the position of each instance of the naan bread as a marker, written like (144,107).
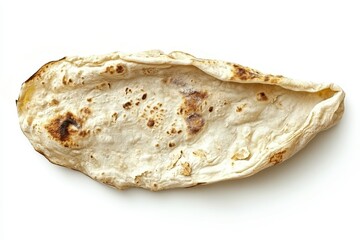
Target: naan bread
(161,121)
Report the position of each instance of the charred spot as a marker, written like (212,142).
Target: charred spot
(137,103)
(64,128)
(180,131)
(127,105)
(238,109)
(120,68)
(261,96)
(144,96)
(173,130)
(38,72)
(171,144)
(150,123)
(128,90)
(195,123)
(89,99)
(60,127)
(211,109)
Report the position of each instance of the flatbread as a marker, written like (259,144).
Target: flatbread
(161,121)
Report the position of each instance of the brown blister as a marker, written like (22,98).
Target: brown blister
(150,123)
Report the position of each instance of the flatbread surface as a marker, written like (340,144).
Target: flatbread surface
(160,121)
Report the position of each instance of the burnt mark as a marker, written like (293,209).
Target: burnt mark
(128,90)
(261,96)
(42,69)
(127,105)
(60,128)
(144,96)
(211,109)
(171,144)
(64,128)
(195,122)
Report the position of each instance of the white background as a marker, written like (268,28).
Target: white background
(314,194)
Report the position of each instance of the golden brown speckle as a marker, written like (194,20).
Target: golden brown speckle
(244,73)
(277,157)
(89,99)
(186,169)
(85,111)
(54,102)
(84,133)
(211,109)
(150,123)
(114,116)
(110,69)
(171,144)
